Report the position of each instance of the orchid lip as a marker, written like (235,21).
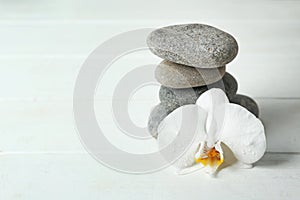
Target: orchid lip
(212,156)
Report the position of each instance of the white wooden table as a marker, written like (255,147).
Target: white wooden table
(42,47)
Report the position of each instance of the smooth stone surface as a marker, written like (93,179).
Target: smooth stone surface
(247,103)
(190,95)
(158,113)
(196,45)
(175,75)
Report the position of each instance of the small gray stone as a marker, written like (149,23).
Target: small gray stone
(175,75)
(158,113)
(196,45)
(247,103)
(190,95)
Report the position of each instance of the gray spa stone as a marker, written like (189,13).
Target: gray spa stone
(158,113)
(229,83)
(164,109)
(196,45)
(175,75)
(190,95)
(247,103)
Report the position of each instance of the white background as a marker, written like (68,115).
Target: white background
(42,46)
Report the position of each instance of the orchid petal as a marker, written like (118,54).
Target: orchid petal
(210,101)
(243,133)
(191,169)
(185,122)
(212,98)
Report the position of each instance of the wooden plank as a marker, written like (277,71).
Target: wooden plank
(48,126)
(134,9)
(54,77)
(73,176)
(30,127)
(281,120)
(256,38)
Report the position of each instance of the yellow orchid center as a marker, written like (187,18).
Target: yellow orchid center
(212,157)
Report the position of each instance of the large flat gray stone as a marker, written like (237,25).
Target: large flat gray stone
(196,45)
(175,75)
(158,113)
(190,95)
(163,109)
(247,103)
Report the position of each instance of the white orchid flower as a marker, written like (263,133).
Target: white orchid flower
(217,125)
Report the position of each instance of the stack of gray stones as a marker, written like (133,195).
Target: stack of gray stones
(195,58)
